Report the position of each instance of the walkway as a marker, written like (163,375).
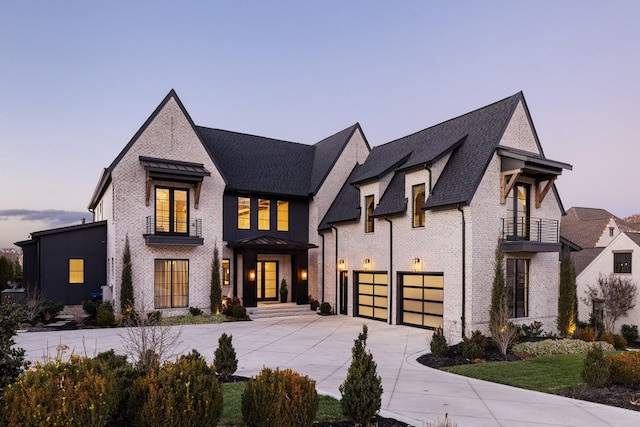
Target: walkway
(320,347)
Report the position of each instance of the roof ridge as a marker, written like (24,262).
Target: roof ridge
(252,135)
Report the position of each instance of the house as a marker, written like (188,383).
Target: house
(404,232)
(609,246)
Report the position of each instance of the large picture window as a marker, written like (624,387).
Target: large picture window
(244,213)
(171,283)
(283,215)
(622,262)
(368,203)
(172,210)
(418,203)
(518,287)
(76,271)
(264,217)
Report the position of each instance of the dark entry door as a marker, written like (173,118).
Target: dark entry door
(344,286)
(267,280)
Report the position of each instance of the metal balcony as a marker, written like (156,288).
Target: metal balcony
(530,234)
(191,237)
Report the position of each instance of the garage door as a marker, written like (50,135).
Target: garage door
(371,295)
(422,299)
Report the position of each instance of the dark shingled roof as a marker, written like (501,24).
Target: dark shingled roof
(585,226)
(581,259)
(392,201)
(346,205)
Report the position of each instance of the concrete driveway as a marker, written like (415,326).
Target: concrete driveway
(320,347)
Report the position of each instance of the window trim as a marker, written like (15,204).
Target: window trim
(225,267)
(512,288)
(264,214)
(172,295)
(369,205)
(623,266)
(172,210)
(418,217)
(282,216)
(81,281)
(248,218)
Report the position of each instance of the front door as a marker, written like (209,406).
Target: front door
(267,280)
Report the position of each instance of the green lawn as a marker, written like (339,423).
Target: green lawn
(548,374)
(328,408)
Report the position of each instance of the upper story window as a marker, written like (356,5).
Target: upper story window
(368,224)
(76,271)
(283,215)
(418,203)
(171,210)
(622,262)
(244,213)
(611,230)
(264,209)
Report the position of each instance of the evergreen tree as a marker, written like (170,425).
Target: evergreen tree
(567,297)
(216,291)
(502,332)
(127,300)
(225,360)
(6,272)
(362,389)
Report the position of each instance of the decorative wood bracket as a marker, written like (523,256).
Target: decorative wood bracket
(149,187)
(540,195)
(507,181)
(198,187)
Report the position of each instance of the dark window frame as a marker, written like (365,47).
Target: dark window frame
(172,295)
(517,283)
(238,213)
(622,262)
(226,271)
(418,219)
(172,211)
(84,269)
(369,204)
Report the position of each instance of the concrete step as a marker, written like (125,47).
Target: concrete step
(267,310)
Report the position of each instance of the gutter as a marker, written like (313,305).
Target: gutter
(335,266)
(321,297)
(464,276)
(389,320)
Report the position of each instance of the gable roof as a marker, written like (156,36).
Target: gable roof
(346,205)
(585,226)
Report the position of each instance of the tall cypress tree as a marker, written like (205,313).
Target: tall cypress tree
(126,284)
(567,297)
(502,332)
(216,291)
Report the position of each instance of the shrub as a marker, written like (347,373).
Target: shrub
(563,346)
(186,392)
(595,369)
(533,330)
(195,311)
(279,398)
(629,332)
(473,347)
(607,337)
(587,335)
(238,312)
(624,367)
(314,303)
(362,389)
(225,360)
(619,342)
(91,308)
(104,315)
(439,346)
(228,304)
(12,361)
(154,317)
(122,371)
(78,393)
(49,310)
(325,308)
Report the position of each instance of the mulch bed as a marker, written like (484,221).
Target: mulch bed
(627,397)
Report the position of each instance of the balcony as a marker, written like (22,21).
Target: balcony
(192,236)
(530,235)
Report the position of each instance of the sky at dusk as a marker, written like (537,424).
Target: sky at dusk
(78,79)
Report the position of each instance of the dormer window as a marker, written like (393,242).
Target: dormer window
(418,203)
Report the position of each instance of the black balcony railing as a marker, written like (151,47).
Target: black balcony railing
(540,230)
(194,229)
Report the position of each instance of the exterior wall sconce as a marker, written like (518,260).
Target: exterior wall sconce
(341,265)
(303,274)
(416,264)
(367,264)
(252,275)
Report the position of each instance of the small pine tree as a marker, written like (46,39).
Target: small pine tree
(6,272)
(595,369)
(362,389)
(567,297)
(216,291)
(502,332)
(225,360)
(126,284)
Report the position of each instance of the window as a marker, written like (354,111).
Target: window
(368,224)
(518,287)
(611,230)
(76,271)
(244,213)
(418,203)
(171,210)
(226,279)
(622,262)
(171,283)
(283,215)
(263,214)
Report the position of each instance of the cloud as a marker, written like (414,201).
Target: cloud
(55,218)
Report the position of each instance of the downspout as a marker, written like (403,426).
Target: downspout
(321,297)
(464,281)
(430,186)
(335,266)
(390,269)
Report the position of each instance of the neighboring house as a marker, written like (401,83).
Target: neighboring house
(404,233)
(610,245)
